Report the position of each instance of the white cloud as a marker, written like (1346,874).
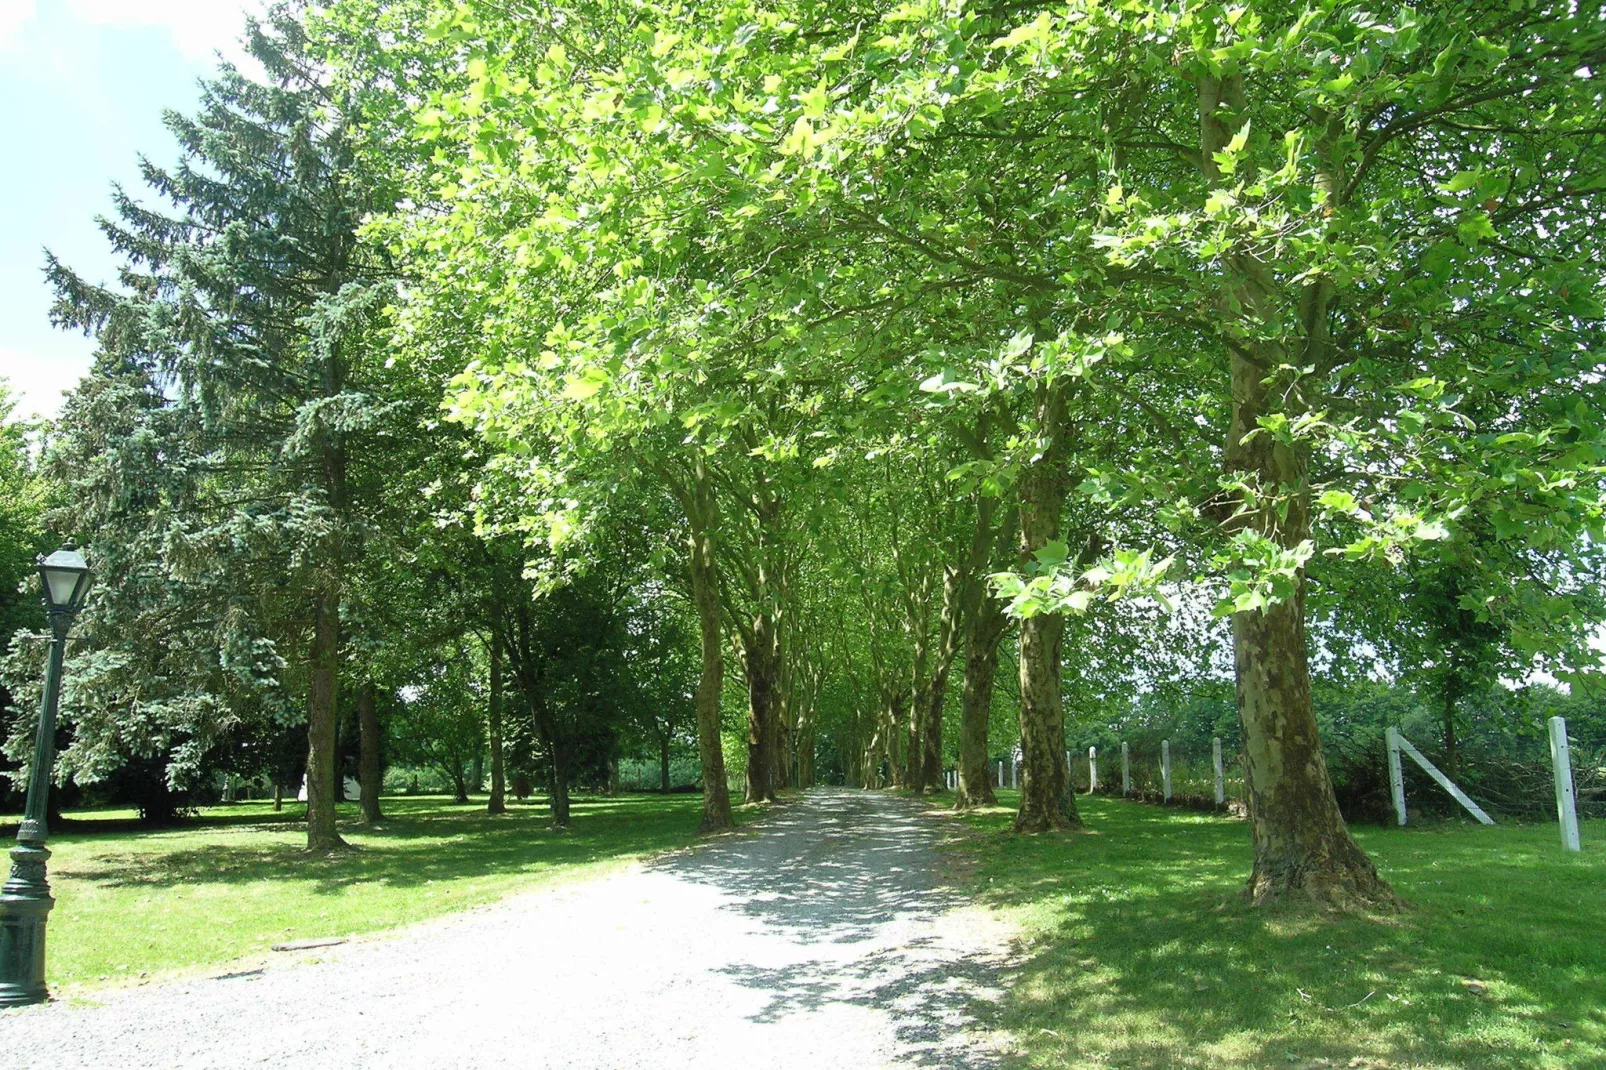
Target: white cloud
(14,14)
(198,27)
(37,381)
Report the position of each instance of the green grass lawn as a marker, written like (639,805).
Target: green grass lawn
(1142,955)
(237,880)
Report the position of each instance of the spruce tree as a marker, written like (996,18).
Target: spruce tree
(250,302)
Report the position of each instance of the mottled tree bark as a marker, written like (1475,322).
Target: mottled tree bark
(807,700)
(1302,849)
(758,648)
(1046,802)
(497,804)
(897,764)
(702,516)
(947,648)
(369,767)
(914,769)
(982,635)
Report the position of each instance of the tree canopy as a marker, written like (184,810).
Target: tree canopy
(748,379)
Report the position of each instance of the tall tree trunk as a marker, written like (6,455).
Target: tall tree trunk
(1046,802)
(278,795)
(324,789)
(702,516)
(323,697)
(557,755)
(459,782)
(369,773)
(985,628)
(1302,848)
(914,768)
(497,804)
(806,729)
(1452,699)
(897,767)
(948,632)
(782,749)
(476,771)
(663,764)
(758,645)
(558,784)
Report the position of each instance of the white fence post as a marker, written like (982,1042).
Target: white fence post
(1014,773)
(1396,775)
(1165,767)
(1126,769)
(1566,805)
(1221,773)
(1092,769)
(1000,774)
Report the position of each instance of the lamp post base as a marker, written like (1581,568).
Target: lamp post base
(25,905)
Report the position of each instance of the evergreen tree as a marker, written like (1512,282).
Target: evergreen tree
(249,308)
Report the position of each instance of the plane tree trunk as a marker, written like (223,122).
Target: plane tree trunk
(1303,851)
(759,661)
(1046,802)
(947,648)
(984,629)
(702,517)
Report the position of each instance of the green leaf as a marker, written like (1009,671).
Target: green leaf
(1338,500)
(1037,29)
(1052,555)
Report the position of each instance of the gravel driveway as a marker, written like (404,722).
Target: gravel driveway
(825,939)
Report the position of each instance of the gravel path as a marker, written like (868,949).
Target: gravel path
(826,940)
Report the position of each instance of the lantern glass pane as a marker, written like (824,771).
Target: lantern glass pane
(62,584)
(64,572)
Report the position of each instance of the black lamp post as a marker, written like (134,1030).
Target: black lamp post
(25,900)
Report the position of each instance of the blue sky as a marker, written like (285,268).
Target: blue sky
(85,82)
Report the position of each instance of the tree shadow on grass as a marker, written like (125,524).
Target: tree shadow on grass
(1155,961)
(419,842)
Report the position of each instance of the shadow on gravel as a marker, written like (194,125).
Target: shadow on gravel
(842,868)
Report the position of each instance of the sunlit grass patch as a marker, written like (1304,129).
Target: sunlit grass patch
(131,903)
(1143,955)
